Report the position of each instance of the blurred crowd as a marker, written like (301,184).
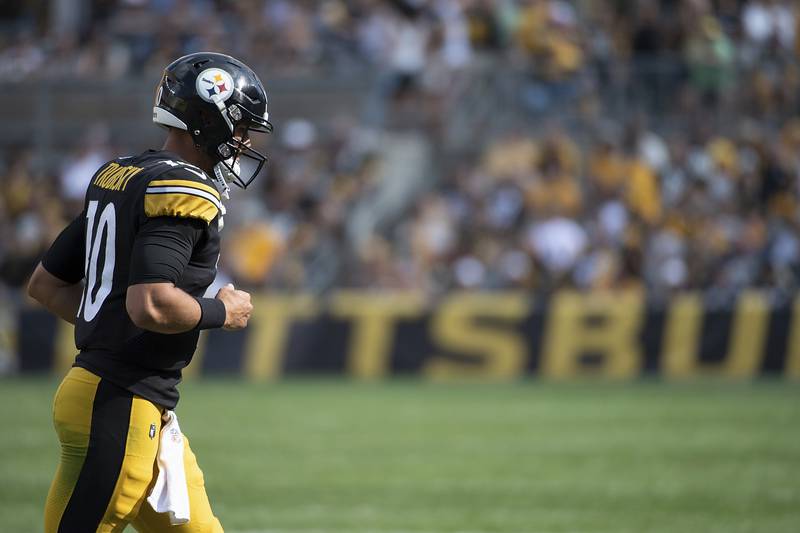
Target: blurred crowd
(570,45)
(683,172)
(632,208)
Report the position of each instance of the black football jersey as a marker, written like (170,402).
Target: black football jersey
(148,218)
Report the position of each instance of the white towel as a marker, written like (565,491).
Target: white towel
(170,494)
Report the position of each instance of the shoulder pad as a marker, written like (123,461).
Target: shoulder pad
(182,192)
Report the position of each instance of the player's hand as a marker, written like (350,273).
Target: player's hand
(237,307)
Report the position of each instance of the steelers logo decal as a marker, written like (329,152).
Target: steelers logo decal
(214,84)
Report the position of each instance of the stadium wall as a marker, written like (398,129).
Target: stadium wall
(481,335)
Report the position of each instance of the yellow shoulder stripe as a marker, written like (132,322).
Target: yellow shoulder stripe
(179,205)
(185,183)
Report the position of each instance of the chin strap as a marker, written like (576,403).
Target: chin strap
(223,174)
(220,172)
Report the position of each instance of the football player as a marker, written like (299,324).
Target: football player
(130,272)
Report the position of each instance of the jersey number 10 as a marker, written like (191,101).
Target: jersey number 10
(104,232)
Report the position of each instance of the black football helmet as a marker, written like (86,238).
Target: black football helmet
(214,97)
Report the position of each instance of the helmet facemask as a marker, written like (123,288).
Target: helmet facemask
(239,163)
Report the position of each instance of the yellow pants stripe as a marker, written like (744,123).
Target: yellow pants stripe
(132,487)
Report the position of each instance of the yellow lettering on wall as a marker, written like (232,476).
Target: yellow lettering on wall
(681,345)
(496,351)
(750,325)
(602,323)
(372,334)
(272,317)
(793,349)
(682,336)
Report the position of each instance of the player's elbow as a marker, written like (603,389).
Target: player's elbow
(141,316)
(146,308)
(35,289)
(38,286)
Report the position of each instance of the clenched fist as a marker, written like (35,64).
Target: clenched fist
(237,307)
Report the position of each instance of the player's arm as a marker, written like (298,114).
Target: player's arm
(161,252)
(56,282)
(56,295)
(164,308)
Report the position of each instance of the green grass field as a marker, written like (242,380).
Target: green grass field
(406,456)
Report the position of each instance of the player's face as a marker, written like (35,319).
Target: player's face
(242,135)
(248,160)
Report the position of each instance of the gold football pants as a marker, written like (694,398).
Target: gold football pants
(109,441)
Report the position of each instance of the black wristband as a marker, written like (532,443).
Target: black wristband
(212,313)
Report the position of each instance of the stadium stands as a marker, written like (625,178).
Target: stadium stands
(438,145)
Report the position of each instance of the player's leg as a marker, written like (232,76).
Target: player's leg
(107,455)
(201,517)
(72,418)
(136,473)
